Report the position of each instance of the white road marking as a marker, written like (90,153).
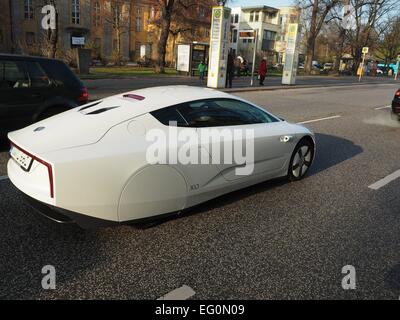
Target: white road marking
(383,182)
(3,178)
(182,293)
(320,119)
(385,107)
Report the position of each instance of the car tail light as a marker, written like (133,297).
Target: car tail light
(84,96)
(48,166)
(397,94)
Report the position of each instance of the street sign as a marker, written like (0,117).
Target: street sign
(247,34)
(219,46)
(365,50)
(292,55)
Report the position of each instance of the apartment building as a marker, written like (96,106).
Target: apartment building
(105,26)
(5,27)
(271,25)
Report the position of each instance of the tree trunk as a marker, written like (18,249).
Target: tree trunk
(311,39)
(53,38)
(162,43)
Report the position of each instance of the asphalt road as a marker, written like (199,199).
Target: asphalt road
(101,88)
(276,240)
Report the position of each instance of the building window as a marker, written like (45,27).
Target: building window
(137,49)
(256,16)
(138,20)
(97,14)
(207,33)
(234,35)
(30,38)
(236,18)
(251,16)
(28,9)
(202,12)
(76,12)
(1,37)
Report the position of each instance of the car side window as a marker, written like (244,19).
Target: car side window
(13,75)
(222,112)
(38,78)
(169,115)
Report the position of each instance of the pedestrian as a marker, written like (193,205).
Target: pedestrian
(202,69)
(262,71)
(230,70)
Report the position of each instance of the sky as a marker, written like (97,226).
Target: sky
(271,3)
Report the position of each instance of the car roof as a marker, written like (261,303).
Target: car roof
(24,57)
(156,98)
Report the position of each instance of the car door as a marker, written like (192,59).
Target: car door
(20,94)
(245,140)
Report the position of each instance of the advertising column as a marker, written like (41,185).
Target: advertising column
(219,47)
(292,55)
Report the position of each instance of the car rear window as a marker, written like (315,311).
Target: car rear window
(59,72)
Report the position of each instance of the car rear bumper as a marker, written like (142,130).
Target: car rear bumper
(396,106)
(63,216)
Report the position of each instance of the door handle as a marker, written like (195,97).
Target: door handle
(286,138)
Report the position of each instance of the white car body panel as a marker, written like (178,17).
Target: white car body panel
(99,161)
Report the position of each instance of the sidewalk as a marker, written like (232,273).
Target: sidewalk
(101,88)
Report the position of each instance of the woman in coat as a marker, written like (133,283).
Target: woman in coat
(262,71)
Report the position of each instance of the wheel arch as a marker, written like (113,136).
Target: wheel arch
(152,190)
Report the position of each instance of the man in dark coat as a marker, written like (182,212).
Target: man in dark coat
(230,70)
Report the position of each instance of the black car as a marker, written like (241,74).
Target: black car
(396,104)
(34,88)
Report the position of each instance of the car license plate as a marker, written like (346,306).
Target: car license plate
(21,158)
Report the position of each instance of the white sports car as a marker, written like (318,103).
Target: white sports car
(96,165)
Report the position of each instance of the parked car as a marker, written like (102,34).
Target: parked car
(34,88)
(90,165)
(328,66)
(396,104)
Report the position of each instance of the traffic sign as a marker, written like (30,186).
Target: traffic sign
(365,50)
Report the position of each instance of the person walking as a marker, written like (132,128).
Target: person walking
(230,70)
(262,71)
(202,69)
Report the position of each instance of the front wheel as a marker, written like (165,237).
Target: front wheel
(301,160)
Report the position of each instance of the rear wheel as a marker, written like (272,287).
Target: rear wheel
(301,160)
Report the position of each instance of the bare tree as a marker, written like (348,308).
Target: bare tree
(369,16)
(315,14)
(174,19)
(117,15)
(389,43)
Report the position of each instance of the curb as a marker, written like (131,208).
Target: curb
(275,88)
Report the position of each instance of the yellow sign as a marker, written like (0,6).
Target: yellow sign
(365,50)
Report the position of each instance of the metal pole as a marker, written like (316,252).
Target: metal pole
(362,68)
(254,58)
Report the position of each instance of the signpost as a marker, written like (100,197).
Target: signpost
(292,55)
(251,35)
(219,46)
(361,67)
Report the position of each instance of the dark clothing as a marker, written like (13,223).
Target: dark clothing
(230,71)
